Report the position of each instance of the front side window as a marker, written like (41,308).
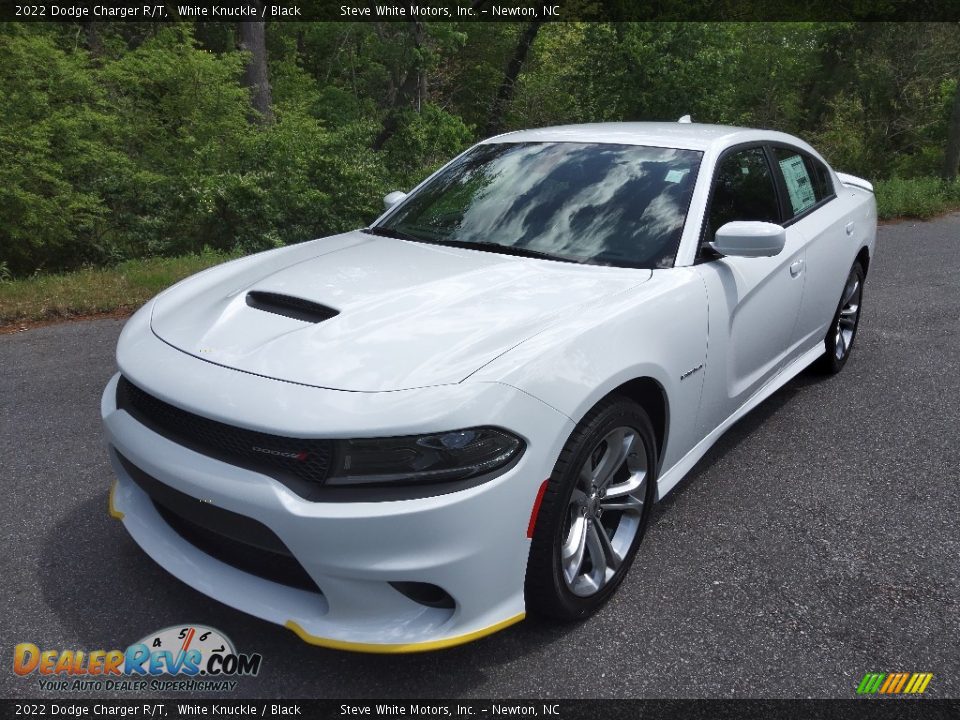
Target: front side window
(622,205)
(743,190)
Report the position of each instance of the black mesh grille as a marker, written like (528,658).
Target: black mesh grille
(235,539)
(304,459)
(282,569)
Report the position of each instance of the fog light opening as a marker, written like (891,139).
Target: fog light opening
(425,594)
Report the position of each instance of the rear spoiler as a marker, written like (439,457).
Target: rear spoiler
(854,181)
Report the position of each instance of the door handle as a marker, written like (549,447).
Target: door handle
(796,267)
(849,228)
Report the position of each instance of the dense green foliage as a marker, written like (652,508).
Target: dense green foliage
(88,291)
(129,140)
(922,197)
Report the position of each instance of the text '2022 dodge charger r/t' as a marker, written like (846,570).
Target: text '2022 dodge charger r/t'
(404,437)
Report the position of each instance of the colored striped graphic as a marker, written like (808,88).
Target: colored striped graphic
(894,683)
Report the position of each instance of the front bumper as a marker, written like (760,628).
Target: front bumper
(470,543)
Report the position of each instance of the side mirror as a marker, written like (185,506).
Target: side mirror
(392,199)
(749,239)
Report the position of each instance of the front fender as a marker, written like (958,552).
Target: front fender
(657,330)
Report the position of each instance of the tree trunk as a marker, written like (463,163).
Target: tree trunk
(94,43)
(508,85)
(412,91)
(255,77)
(951,159)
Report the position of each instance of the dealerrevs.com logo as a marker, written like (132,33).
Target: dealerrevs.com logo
(187,658)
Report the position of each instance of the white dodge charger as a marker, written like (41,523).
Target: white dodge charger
(404,437)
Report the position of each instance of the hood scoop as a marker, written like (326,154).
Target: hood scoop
(371,314)
(290,306)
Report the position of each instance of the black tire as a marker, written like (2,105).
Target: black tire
(838,350)
(547,591)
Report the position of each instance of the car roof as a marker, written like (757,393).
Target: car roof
(687,136)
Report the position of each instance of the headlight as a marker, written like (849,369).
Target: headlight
(414,459)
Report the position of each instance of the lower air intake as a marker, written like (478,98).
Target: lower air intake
(231,538)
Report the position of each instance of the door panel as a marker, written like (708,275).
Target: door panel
(753,302)
(828,264)
(819,215)
(754,305)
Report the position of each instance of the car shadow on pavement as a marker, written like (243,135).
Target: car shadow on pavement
(107,594)
(738,432)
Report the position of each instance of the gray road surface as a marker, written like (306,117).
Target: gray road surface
(819,540)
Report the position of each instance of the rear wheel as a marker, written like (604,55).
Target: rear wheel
(843,329)
(594,512)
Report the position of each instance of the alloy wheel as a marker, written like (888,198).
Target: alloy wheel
(605,511)
(849,315)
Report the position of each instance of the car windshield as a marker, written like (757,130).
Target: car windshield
(603,204)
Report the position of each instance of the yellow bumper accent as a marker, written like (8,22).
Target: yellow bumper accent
(114,513)
(401,647)
(395,648)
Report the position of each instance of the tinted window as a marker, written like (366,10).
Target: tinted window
(820,176)
(596,203)
(796,175)
(743,190)
(808,180)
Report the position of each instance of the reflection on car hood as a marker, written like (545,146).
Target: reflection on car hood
(407,314)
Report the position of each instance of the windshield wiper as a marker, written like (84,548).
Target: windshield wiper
(472,245)
(509,250)
(391,233)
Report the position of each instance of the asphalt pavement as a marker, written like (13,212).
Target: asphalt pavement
(819,539)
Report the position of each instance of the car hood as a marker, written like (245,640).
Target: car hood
(407,314)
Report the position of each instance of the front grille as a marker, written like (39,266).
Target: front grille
(271,454)
(231,538)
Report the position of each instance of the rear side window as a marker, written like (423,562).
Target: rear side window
(807,180)
(744,190)
(822,183)
(797,178)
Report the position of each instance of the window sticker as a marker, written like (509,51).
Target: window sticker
(676,175)
(798,182)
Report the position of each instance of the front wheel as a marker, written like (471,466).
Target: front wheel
(843,329)
(594,512)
